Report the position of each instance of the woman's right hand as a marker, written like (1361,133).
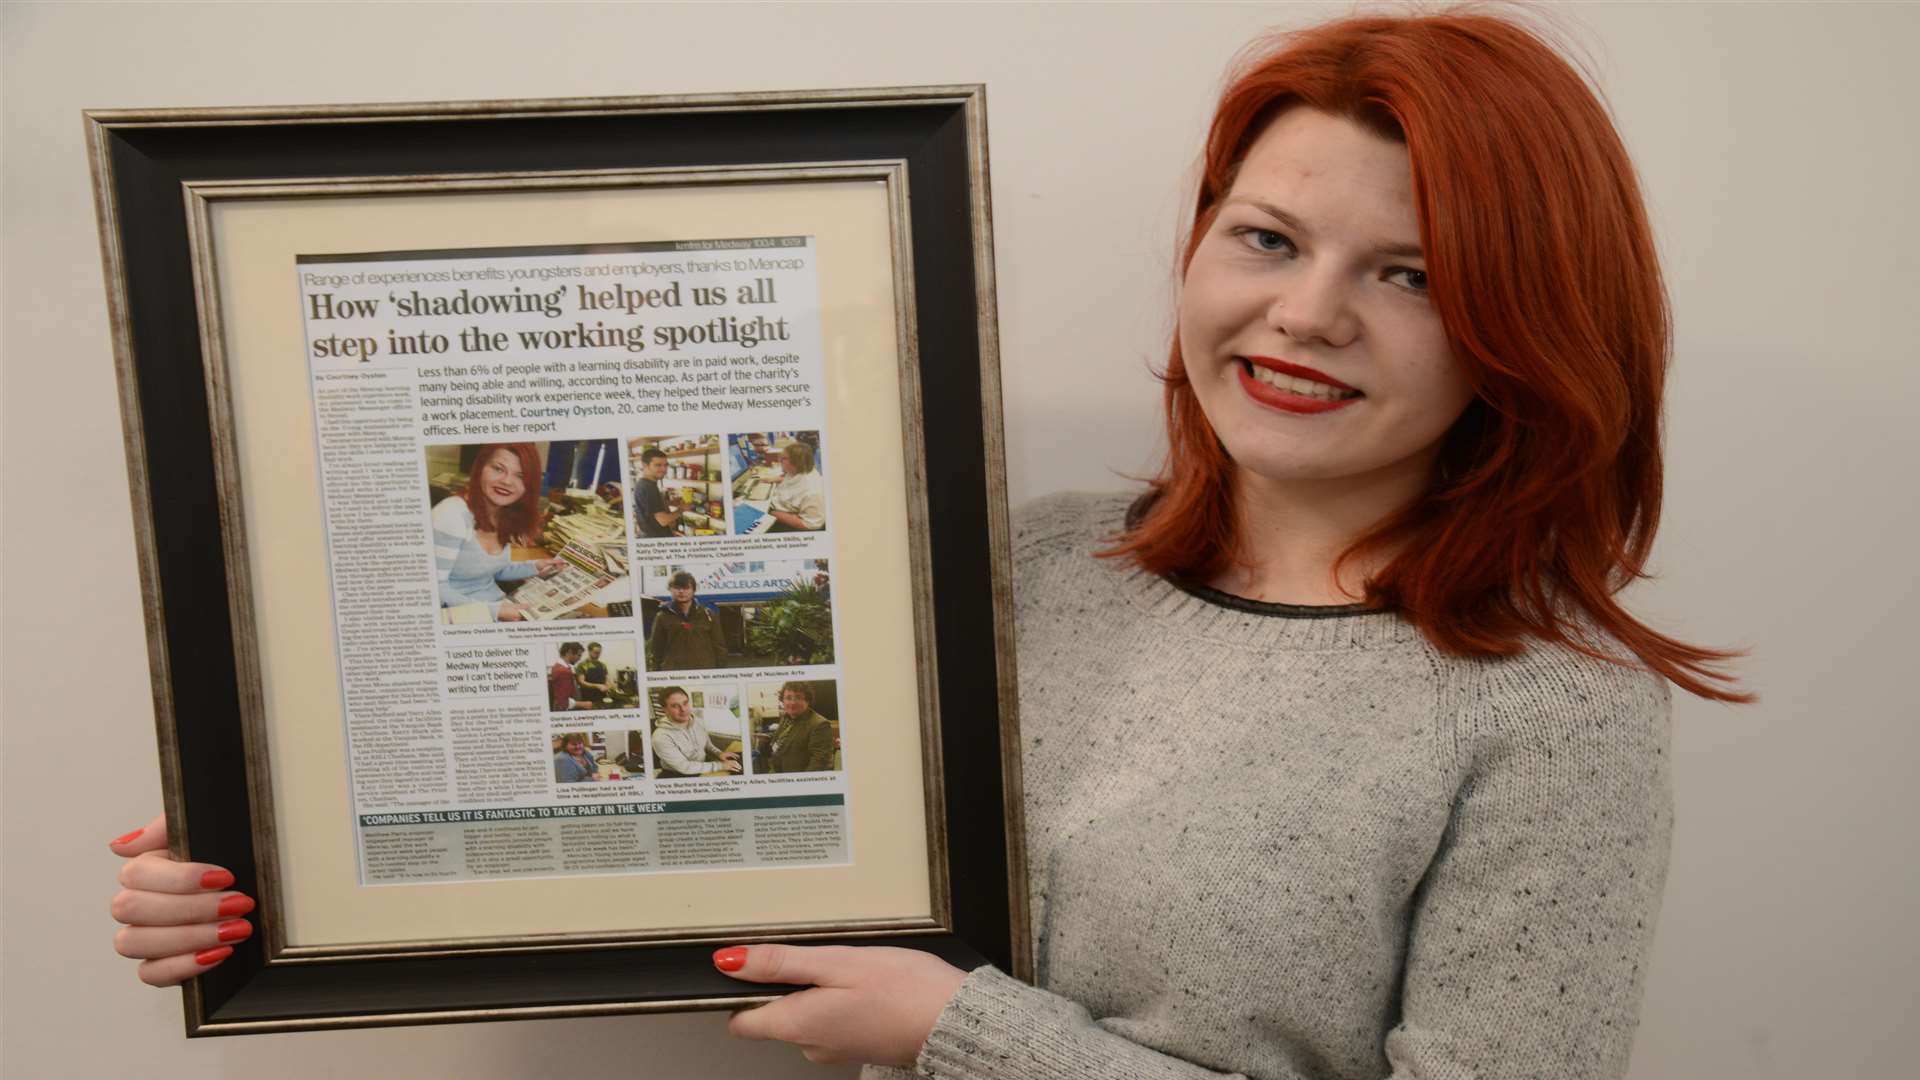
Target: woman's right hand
(180,918)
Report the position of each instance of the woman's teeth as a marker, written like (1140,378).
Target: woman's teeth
(1304,387)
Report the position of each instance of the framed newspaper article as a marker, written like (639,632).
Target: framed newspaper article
(572,536)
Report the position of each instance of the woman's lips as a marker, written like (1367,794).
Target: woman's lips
(1300,371)
(1285,397)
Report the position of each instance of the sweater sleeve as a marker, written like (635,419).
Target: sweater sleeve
(517,570)
(999,1027)
(1527,937)
(1529,934)
(674,748)
(820,748)
(452,530)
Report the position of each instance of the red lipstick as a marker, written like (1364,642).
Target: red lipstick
(1286,400)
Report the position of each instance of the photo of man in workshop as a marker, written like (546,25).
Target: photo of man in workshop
(677,492)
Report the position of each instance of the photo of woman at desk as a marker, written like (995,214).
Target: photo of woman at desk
(686,743)
(574,763)
(585,757)
(475,530)
(494,533)
(778,484)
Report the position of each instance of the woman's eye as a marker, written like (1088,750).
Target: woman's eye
(1264,239)
(1408,278)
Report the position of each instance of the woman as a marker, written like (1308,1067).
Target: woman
(1413,408)
(572,763)
(682,745)
(804,741)
(798,502)
(475,530)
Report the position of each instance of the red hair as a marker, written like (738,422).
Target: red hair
(519,520)
(1543,272)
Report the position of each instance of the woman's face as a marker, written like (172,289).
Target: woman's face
(500,478)
(1305,324)
(576,747)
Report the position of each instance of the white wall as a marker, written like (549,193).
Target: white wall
(1778,152)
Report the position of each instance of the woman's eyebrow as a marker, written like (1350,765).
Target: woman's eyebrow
(1393,249)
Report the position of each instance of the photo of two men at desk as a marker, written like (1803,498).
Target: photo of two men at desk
(791,727)
(697,732)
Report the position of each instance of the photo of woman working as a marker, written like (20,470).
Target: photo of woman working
(777,483)
(474,531)
(527,531)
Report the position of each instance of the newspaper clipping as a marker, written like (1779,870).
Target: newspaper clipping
(580,532)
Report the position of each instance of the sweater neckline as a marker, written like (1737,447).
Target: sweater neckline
(1258,624)
(1272,608)
(1203,611)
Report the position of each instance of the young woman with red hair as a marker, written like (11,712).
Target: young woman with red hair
(1341,758)
(475,530)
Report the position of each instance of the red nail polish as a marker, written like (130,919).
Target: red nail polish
(216,879)
(134,835)
(731,958)
(212,956)
(236,930)
(237,904)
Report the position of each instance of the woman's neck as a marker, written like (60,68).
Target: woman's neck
(1292,532)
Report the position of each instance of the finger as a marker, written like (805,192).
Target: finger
(825,965)
(174,970)
(151,837)
(138,907)
(150,942)
(804,1019)
(155,871)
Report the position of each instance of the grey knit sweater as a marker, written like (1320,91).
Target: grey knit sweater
(1304,843)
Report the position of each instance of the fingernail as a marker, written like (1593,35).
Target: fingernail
(236,930)
(216,879)
(212,956)
(731,958)
(237,904)
(134,835)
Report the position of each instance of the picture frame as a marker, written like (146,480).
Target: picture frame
(243,747)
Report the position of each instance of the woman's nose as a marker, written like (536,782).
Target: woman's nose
(1313,304)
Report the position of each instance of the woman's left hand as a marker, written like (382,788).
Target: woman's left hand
(871,1004)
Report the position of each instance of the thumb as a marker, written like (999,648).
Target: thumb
(140,841)
(799,965)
